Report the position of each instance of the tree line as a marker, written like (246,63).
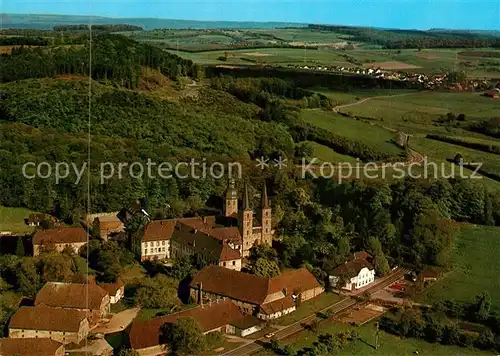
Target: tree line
(96,27)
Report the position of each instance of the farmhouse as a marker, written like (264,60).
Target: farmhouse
(224,316)
(42,321)
(267,298)
(115,290)
(35,219)
(86,297)
(59,239)
(355,273)
(31,347)
(108,224)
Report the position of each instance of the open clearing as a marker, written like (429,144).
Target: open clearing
(256,54)
(12,219)
(475,268)
(390,65)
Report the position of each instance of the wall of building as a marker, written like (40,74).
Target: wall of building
(247,308)
(60,336)
(155,250)
(58,247)
(311,293)
(276,315)
(157,350)
(232,264)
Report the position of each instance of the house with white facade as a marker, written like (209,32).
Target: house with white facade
(357,272)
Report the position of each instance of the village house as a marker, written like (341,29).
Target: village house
(115,290)
(87,297)
(220,246)
(31,347)
(356,272)
(59,239)
(35,219)
(223,316)
(108,224)
(267,298)
(42,321)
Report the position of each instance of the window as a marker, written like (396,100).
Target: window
(163,243)
(157,243)
(234,263)
(224,264)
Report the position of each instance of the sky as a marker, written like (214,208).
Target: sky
(414,14)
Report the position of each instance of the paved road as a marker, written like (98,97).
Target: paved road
(296,327)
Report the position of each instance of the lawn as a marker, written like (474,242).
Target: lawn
(12,219)
(475,268)
(389,345)
(309,307)
(372,135)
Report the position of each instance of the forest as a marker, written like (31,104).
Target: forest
(400,39)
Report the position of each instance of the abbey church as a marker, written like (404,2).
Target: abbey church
(255,229)
(222,240)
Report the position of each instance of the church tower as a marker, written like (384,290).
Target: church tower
(267,235)
(245,223)
(231,202)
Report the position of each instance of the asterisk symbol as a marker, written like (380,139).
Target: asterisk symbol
(280,162)
(262,162)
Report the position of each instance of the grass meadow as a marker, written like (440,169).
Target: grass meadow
(12,219)
(475,268)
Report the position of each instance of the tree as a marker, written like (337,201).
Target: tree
(458,159)
(482,306)
(56,267)
(158,292)
(183,337)
(380,261)
(265,268)
(19,247)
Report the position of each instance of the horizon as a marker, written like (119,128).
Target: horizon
(411,15)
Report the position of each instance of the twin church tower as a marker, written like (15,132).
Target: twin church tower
(255,229)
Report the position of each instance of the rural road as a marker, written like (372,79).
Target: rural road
(346,303)
(364,100)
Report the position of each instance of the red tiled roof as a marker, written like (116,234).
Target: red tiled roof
(293,281)
(71,295)
(226,233)
(201,241)
(112,288)
(233,284)
(147,333)
(43,317)
(60,236)
(158,230)
(352,268)
(251,288)
(29,347)
(277,305)
(361,254)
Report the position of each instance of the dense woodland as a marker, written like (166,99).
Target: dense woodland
(400,39)
(114,58)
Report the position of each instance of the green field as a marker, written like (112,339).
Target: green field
(326,154)
(415,113)
(309,307)
(12,219)
(372,135)
(389,345)
(475,268)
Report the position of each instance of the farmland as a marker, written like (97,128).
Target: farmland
(475,268)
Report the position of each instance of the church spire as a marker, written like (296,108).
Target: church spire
(264,202)
(246,201)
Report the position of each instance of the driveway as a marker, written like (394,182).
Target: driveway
(118,322)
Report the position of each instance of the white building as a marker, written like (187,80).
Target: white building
(356,272)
